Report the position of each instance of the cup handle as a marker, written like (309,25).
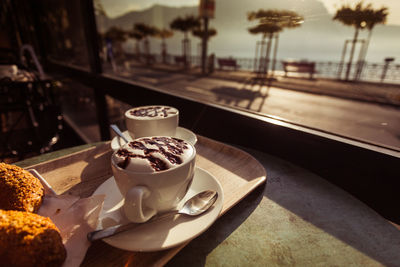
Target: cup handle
(134,207)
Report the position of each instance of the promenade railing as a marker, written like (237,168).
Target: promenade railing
(371,72)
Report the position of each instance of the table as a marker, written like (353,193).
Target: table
(296,218)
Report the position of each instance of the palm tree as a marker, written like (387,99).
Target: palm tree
(146,31)
(164,34)
(267,30)
(360,17)
(185,25)
(138,37)
(116,36)
(99,8)
(100,13)
(202,33)
(375,17)
(271,22)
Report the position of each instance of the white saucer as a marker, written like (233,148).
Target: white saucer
(162,234)
(181,133)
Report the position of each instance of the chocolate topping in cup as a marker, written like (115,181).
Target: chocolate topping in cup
(170,148)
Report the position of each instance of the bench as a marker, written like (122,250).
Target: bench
(299,67)
(180,59)
(150,58)
(227,62)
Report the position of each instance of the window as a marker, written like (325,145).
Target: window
(330,85)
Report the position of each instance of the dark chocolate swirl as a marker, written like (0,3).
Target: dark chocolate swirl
(152,112)
(170,148)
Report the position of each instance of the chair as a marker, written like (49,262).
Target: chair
(30,118)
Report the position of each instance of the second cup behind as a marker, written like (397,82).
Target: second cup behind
(152,121)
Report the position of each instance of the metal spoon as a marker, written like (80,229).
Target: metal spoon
(194,206)
(118,132)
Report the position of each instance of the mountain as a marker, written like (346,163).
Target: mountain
(319,37)
(157,15)
(228,13)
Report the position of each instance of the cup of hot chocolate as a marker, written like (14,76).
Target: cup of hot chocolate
(153,174)
(152,121)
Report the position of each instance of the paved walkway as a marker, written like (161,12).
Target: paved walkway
(381,93)
(364,91)
(363,111)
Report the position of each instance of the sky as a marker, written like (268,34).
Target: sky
(115,8)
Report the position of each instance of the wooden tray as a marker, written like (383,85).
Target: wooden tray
(82,172)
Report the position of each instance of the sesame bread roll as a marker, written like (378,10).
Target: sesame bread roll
(28,239)
(19,189)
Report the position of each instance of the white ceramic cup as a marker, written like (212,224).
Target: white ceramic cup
(146,191)
(154,120)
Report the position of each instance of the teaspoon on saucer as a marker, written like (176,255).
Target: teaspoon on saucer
(194,206)
(118,132)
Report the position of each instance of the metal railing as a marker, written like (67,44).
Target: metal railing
(371,72)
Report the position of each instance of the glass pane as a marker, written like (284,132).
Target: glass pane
(116,111)
(79,110)
(328,65)
(63,27)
